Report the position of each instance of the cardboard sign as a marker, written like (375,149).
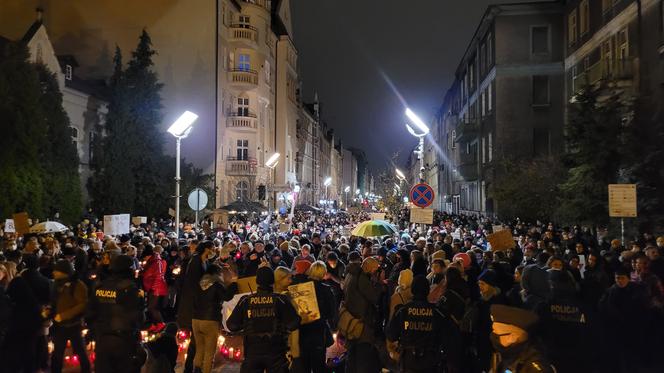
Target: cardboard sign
(502,240)
(171,212)
(497,228)
(21,223)
(228,307)
(116,224)
(377,216)
(622,200)
(247,285)
(284,228)
(138,220)
(304,298)
(421,216)
(9,226)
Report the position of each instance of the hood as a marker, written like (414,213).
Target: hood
(208,280)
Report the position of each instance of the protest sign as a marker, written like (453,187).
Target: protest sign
(138,220)
(21,223)
(9,226)
(377,216)
(247,285)
(304,297)
(116,224)
(501,240)
(421,216)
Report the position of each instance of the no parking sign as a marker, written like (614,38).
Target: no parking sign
(422,195)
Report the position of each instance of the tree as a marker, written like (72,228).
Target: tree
(24,134)
(526,189)
(193,177)
(594,140)
(59,156)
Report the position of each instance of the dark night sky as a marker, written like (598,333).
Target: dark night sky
(345,44)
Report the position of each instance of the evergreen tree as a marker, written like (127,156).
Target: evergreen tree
(113,186)
(59,155)
(24,132)
(594,139)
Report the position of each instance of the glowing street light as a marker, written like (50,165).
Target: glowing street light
(180,129)
(346,190)
(271,163)
(424,130)
(400,174)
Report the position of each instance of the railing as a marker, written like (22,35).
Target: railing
(243,31)
(243,167)
(466,129)
(248,121)
(243,76)
(262,3)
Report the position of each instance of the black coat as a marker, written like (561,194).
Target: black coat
(190,285)
(40,285)
(209,297)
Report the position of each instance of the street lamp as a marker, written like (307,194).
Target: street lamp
(271,163)
(400,175)
(180,129)
(327,183)
(420,134)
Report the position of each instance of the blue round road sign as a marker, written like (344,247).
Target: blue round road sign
(422,195)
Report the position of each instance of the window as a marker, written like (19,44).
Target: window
(584,15)
(622,45)
(242,107)
(489,50)
(68,72)
(74,133)
(483,103)
(571,28)
(38,57)
(484,150)
(607,57)
(539,39)
(540,90)
(242,150)
(244,21)
(91,146)
(453,139)
(489,97)
(244,63)
(472,77)
(482,59)
(490,146)
(242,191)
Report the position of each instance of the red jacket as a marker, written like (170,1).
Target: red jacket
(153,276)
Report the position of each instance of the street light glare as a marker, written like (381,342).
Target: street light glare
(417,121)
(273,160)
(182,126)
(400,174)
(347,189)
(328,181)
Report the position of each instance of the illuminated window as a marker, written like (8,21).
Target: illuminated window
(242,191)
(571,28)
(584,15)
(242,150)
(244,63)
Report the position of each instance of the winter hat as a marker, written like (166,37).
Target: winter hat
(68,250)
(121,264)
(64,266)
(332,256)
(438,255)
(354,256)
(420,287)
(488,277)
(302,266)
(284,246)
(405,279)
(275,253)
(265,277)
(382,252)
(464,258)
(518,317)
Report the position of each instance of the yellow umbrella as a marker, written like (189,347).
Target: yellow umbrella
(374,228)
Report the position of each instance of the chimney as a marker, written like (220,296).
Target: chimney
(40,14)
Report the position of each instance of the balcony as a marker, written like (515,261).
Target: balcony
(467,129)
(242,78)
(265,4)
(467,170)
(244,34)
(245,167)
(617,71)
(247,122)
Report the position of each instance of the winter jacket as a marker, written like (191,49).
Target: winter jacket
(190,284)
(318,333)
(209,296)
(154,280)
(40,285)
(535,282)
(362,297)
(70,301)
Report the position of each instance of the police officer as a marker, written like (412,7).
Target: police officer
(515,349)
(116,313)
(419,328)
(265,319)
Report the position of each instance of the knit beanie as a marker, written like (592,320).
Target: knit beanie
(64,266)
(420,287)
(405,279)
(489,277)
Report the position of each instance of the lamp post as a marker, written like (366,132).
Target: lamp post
(327,183)
(420,134)
(180,129)
(271,163)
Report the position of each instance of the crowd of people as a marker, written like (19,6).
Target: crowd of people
(418,299)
